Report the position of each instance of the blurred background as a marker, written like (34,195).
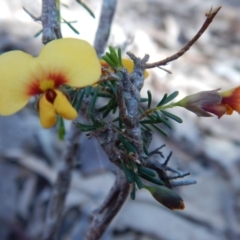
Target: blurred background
(206,147)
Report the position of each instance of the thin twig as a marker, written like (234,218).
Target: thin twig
(210,16)
(51,31)
(183,183)
(31,15)
(165,70)
(167,159)
(61,186)
(180,175)
(110,207)
(162,169)
(156,151)
(104,26)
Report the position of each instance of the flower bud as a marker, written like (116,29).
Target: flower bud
(166,196)
(206,102)
(198,102)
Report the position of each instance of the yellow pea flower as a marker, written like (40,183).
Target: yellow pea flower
(127,63)
(66,61)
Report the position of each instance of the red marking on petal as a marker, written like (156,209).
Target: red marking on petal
(217,109)
(58,79)
(33,88)
(50,95)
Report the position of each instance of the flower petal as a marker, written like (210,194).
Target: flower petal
(63,107)
(232,98)
(15,75)
(47,112)
(218,109)
(70,61)
(129,65)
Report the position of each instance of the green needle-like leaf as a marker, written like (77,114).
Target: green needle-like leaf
(133,192)
(113,53)
(151,179)
(86,8)
(88,91)
(81,95)
(143,100)
(127,172)
(104,94)
(85,127)
(61,129)
(172,116)
(74,98)
(108,60)
(70,26)
(38,33)
(171,97)
(126,143)
(145,150)
(120,57)
(146,127)
(149,99)
(113,58)
(137,180)
(92,104)
(159,130)
(147,171)
(163,100)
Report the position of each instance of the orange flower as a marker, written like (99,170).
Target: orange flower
(218,103)
(231,99)
(68,61)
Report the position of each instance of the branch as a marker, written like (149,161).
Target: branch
(110,207)
(128,98)
(61,186)
(49,19)
(104,26)
(107,139)
(210,16)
